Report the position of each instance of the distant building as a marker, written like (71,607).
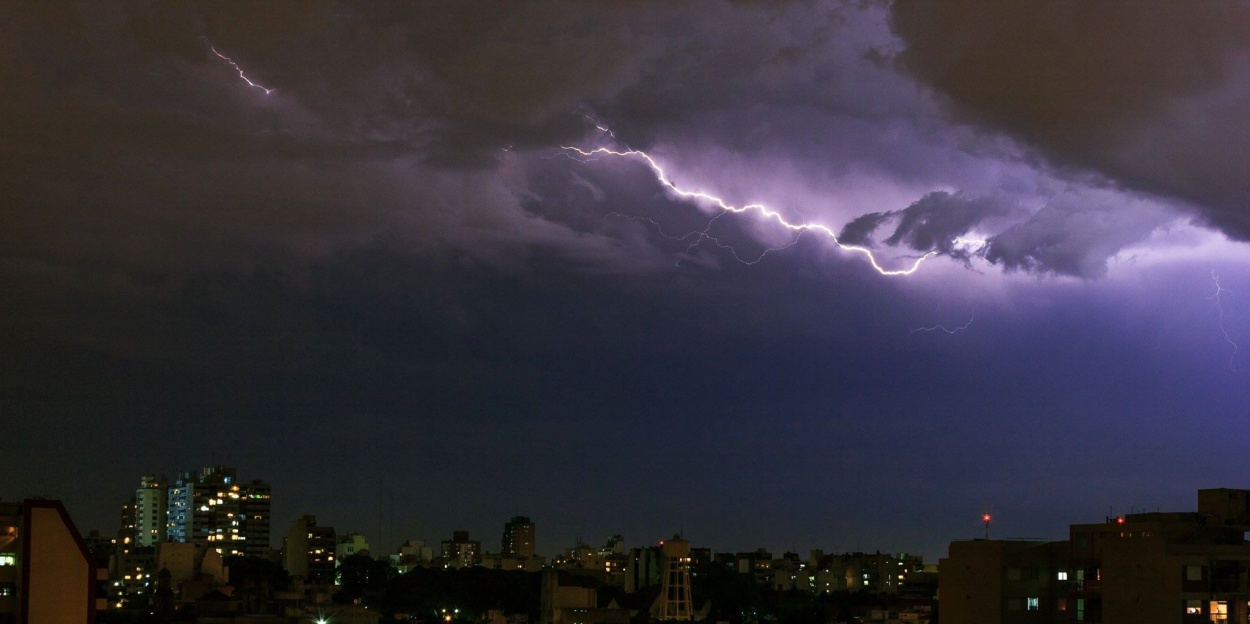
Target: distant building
(308,551)
(644,567)
(1147,568)
(47,576)
(151,507)
(460,551)
(212,507)
(351,544)
(518,537)
(412,554)
(879,573)
(615,560)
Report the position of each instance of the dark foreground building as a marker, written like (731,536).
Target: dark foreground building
(1148,568)
(46,574)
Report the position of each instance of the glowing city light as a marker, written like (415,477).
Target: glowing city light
(725,207)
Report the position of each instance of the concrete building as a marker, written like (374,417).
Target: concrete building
(308,552)
(213,508)
(351,544)
(567,600)
(47,576)
(412,554)
(460,551)
(644,567)
(1146,568)
(151,523)
(518,537)
(1002,581)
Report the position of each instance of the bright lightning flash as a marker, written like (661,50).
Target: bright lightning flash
(236,67)
(1220,306)
(725,207)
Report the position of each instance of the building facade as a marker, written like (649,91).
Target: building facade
(518,537)
(151,507)
(460,551)
(47,576)
(308,552)
(1146,568)
(212,507)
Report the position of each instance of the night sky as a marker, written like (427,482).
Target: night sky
(359,264)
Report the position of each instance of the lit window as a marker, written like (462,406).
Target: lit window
(1062,575)
(1031,605)
(8,559)
(1193,607)
(1219,611)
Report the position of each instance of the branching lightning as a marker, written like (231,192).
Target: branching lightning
(236,67)
(946,329)
(1219,305)
(725,207)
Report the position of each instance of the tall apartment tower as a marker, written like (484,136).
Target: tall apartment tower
(210,507)
(308,551)
(151,506)
(460,551)
(675,601)
(518,537)
(254,504)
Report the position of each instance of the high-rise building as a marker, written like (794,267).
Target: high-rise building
(518,537)
(460,551)
(212,507)
(254,505)
(151,507)
(308,551)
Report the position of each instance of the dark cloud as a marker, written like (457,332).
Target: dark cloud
(860,230)
(1147,93)
(932,223)
(1075,234)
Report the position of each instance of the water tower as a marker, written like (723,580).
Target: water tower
(675,602)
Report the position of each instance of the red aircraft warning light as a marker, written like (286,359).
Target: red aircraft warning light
(986,519)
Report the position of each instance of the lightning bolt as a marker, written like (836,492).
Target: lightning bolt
(945,328)
(1219,305)
(236,67)
(661,176)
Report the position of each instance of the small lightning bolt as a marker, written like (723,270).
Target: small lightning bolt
(945,328)
(726,207)
(1219,305)
(236,67)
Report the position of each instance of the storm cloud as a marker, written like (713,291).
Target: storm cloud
(1149,94)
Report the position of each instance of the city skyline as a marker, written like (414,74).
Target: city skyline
(828,274)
